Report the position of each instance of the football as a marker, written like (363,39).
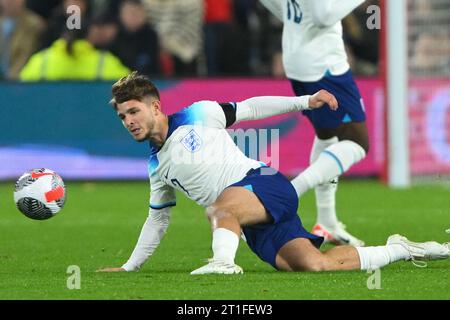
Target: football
(40,194)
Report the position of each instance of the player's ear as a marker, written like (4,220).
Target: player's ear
(156,105)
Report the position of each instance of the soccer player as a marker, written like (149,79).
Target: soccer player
(190,151)
(314,58)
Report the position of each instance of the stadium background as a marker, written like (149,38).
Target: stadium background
(68,126)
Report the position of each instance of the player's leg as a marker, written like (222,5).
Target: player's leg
(300,255)
(235,207)
(259,202)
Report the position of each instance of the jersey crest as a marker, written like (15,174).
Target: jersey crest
(192,141)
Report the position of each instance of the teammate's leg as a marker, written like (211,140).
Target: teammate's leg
(335,159)
(355,132)
(325,193)
(341,141)
(334,152)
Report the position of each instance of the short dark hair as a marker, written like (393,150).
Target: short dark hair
(133,87)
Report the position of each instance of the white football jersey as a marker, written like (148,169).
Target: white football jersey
(199,158)
(310,50)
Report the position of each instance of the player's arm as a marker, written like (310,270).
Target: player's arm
(162,198)
(264,107)
(223,115)
(274,6)
(152,232)
(326,13)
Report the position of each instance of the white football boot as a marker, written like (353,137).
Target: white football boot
(420,251)
(218,267)
(337,235)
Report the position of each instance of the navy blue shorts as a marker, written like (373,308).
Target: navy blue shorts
(278,196)
(343,87)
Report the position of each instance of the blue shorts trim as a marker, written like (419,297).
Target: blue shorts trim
(279,197)
(350,109)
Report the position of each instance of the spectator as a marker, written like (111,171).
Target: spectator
(266,33)
(431,54)
(217,21)
(137,44)
(106,7)
(20,31)
(238,39)
(103,31)
(73,57)
(179,27)
(43,8)
(430,38)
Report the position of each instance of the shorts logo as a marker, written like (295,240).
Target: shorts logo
(192,141)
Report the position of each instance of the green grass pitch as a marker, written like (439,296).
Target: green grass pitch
(100,224)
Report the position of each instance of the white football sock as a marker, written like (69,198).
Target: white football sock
(332,162)
(326,204)
(318,146)
(224,245)
(372,258)
(325,193)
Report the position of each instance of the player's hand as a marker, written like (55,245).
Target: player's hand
(111,270)
(322,97)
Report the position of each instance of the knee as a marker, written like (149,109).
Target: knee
(364,144)
(210,212)
(216,212)
(316,265)
(357,133)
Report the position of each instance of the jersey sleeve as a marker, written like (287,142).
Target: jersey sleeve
(161,194)
(209,113)
(152,233)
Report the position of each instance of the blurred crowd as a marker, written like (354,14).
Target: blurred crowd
(165,38)
(429,36)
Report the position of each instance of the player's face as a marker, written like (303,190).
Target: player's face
(137,117)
